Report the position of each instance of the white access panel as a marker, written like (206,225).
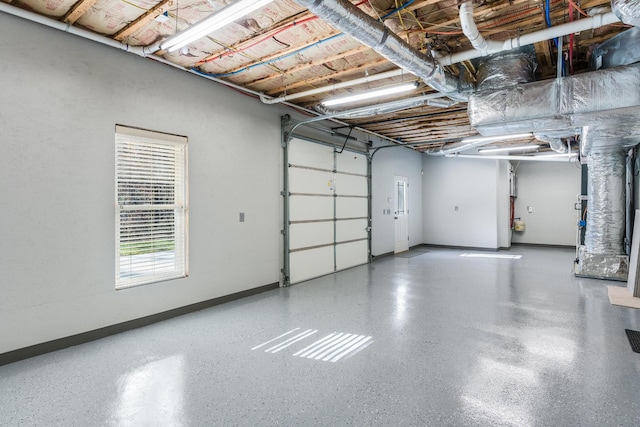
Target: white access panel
(328,210)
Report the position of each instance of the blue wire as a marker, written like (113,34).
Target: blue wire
(547,18)
(397,10)
(270,60)
(295,52)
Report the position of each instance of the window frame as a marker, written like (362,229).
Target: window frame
(142,270)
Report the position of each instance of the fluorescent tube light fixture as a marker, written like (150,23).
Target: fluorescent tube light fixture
(376,93)
(529,147)
(219,19)
(480,139)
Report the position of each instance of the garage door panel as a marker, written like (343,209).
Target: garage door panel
(350,207)
(351,185)
(311,263)
(351,230)
(310,234)
(352,162)
(314,199)
(351,254)
(310,181)
(304,153)
(305,208)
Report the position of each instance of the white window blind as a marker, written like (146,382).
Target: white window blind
(151,207)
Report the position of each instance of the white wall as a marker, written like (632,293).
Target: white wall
(551,190)
(387,163)
(61,98)
(476,187)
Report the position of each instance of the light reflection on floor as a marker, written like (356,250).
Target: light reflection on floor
(330,348)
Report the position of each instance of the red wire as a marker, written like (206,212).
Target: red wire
(571,39)
(280,30)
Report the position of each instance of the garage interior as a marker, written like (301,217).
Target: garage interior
(441,254)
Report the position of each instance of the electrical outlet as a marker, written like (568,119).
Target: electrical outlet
(529,209)
(241,216)
(455,208)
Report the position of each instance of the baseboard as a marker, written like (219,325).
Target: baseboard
(543,245)
(84,337)
(386,254)
(468,248)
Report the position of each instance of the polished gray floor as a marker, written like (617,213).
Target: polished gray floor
(436,339)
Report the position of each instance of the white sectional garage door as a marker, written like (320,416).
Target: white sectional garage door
(328,210)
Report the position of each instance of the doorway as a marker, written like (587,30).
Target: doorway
(401,214)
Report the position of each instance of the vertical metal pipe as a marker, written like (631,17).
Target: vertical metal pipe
(369,204)
(335,210)
(286,270)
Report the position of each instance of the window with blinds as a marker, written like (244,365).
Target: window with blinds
(151,207)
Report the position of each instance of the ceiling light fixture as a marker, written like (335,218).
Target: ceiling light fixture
(480,139)
(529,147)
(384,91)
(207,25)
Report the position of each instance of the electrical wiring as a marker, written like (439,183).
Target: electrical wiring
(494,24)
(270,61)
(232,51)
(279,58)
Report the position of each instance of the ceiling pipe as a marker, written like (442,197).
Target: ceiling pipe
(68,28)
(470,30)
(345,17)
(561,30)
(474,142)
(565,158)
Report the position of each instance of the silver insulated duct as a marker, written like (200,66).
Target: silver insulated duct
(627,10)
(603,254)
(345,17)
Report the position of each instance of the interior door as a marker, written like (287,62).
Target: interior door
(401,214)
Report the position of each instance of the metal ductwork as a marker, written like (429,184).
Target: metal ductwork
(603,255)
(345,17)
(627,10)
(506,69)
(606,102)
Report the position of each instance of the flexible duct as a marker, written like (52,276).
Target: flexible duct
(554,138)
(506,69)
(606,203)
(343,16)
(627,10)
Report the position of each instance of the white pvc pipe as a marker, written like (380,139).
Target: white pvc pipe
(561,30)
(565,159)
(470,29)
(67,28)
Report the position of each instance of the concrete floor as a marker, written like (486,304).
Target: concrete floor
(455,341)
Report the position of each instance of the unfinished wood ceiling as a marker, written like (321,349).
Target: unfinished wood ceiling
(283,49)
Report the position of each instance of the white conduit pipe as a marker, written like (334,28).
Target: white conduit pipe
(67,28)
(561,30)
(470,30)
(565,158)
